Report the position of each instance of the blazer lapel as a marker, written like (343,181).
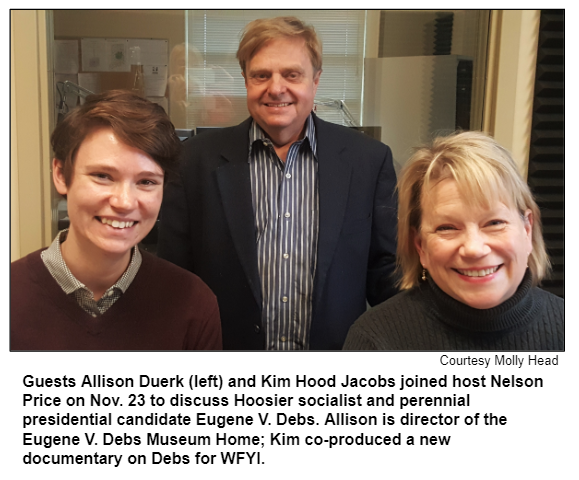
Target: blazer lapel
(334,173)
(233,179)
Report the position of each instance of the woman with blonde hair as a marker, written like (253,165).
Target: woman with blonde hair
(470,254)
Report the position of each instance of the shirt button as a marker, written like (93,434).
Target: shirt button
(284,299)
(94,315)
(287,214)
(285,255)
(288,175)
(110,294)
(257,328)
(283,339)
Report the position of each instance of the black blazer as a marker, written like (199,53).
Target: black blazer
(208,227)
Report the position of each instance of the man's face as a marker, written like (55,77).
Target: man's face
(113,197)
(281,87)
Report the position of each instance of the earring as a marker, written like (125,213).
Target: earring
(424,274)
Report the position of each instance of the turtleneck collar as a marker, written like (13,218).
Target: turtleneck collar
(514,312)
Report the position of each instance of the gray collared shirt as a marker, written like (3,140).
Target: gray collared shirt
(286,207)
(52,258)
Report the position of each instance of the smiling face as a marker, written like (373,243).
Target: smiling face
(113,197)
(476,255)
(281,86)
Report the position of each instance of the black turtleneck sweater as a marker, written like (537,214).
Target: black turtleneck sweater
(426,318)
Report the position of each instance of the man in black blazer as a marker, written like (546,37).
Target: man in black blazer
(289,219)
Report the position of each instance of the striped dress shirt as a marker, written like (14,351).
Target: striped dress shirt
(286,208)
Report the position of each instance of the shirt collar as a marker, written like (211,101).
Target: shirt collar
(57,267)
(256,133)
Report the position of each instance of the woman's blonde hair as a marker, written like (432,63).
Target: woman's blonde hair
(484,173)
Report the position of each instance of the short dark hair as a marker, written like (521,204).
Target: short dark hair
(137,122)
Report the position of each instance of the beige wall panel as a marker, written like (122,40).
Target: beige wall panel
(14,202)
(515,83)
(162,24)
(30,129)
(372,33)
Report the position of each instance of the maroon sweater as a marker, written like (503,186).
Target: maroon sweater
(164,308)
